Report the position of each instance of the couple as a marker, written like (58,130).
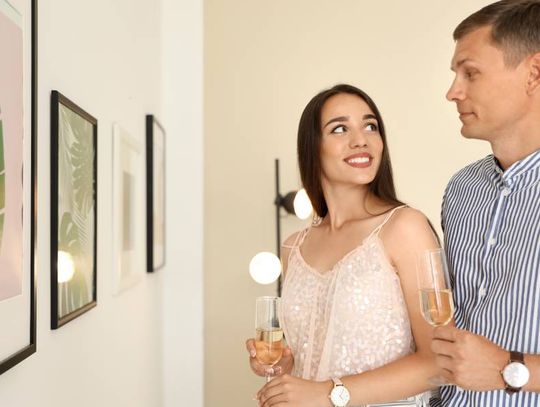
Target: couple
(351,312)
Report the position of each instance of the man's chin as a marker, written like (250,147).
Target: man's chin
(469,133)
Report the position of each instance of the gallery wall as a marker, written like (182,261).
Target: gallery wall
(263,62)
(119,60)
(182,285)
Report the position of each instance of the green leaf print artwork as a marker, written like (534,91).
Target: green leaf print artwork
(82,163)
(75,293)
(76,208)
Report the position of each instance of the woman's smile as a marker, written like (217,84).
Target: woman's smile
(361,160)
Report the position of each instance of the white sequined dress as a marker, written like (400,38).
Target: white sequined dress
(349,319)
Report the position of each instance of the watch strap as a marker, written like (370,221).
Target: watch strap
(517,357)
(337,381)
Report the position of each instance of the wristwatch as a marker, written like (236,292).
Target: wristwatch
(515,374)
(339,396)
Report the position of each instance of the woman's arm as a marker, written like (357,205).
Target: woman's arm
(405,235)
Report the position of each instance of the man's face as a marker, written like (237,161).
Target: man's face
(490,96)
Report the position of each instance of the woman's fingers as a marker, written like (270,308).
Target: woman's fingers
(283,366)
(250,346)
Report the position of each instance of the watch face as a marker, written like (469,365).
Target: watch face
(340,396)
(516,374)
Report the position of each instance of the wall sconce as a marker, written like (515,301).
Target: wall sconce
(263,267)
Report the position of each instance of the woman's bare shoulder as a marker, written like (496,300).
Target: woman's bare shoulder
(409,222)
(291,241)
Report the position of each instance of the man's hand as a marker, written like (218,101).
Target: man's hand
(467,360)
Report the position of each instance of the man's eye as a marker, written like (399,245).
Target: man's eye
(339,129)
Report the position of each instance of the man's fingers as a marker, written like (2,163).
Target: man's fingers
(446,333)
(445,362)
(442,347)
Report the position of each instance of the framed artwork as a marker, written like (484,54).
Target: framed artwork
(128,210)
(18,121)
(73,211)
(155,194)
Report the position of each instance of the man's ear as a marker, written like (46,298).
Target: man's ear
(533,83)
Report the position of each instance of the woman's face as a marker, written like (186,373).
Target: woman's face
(351,145)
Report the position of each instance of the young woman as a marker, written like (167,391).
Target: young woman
(350,306)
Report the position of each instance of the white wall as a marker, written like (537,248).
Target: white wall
(182,283)
(108,57)
(263,62)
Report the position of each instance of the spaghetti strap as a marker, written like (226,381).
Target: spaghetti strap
(298,240)
(376,231)
(299,236)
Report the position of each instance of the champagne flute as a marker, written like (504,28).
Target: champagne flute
(268,332)
(434,287)
(436,300)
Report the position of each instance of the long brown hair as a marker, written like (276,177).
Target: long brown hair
(309,150)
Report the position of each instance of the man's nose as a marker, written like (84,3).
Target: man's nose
(455,92)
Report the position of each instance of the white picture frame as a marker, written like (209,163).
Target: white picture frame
(128,198)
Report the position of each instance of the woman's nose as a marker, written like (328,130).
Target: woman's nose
(357,139)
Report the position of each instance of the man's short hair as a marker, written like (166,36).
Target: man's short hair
(515,27)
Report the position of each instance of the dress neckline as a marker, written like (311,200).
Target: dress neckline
(374,234)
(340,261)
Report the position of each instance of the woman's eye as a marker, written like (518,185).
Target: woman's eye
(372,127)
(339,129)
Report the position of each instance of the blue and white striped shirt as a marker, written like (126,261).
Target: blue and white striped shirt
(491,223)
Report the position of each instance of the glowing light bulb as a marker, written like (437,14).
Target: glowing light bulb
(265,268)
(302,204)
(66,268)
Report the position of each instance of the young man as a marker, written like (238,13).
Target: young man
(491,213)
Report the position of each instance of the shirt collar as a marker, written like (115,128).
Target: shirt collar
(531,162)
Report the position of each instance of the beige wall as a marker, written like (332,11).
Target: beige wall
(263,62)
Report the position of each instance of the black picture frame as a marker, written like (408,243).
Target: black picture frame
(155,198)
(30,168)
(69,121)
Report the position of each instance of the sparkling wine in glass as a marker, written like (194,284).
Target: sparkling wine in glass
(268,331)
(434,288)
(436,300)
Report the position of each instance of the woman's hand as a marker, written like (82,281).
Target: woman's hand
(292,391)
(285,365)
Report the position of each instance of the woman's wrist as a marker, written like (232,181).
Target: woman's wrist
(325,389)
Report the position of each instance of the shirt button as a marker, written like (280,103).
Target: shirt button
(492,241)
(482,291)
(505,191)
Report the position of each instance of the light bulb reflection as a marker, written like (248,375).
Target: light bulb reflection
(302,204)
(66,268)
(265,268)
